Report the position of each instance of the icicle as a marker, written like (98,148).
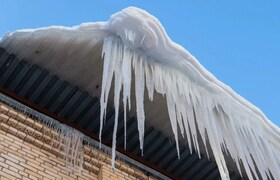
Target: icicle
(172,116)
(126,69)
(71,146)
(139,93)
(124,121)
(186,124)
(108,69)
(193,109)
(117,57)
(149,80)
(70,141)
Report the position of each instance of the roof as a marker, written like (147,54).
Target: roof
(56,98)
(199,107)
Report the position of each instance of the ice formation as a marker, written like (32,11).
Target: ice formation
(67,140)
(197,102)
(137,49)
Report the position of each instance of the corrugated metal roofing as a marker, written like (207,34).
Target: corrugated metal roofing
(77,106)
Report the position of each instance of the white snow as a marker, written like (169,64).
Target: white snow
(137,49)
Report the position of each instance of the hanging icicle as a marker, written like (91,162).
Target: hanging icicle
(67,140)
(227,125)
(71,145)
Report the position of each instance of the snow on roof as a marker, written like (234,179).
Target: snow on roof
(136,50)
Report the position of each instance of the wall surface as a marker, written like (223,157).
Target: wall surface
(29,150)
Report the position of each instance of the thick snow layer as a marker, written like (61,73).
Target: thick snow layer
(137,49)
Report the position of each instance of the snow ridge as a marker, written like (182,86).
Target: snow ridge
(197,102)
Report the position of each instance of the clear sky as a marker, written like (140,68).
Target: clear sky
(238,41)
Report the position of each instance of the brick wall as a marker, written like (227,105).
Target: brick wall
(26,153)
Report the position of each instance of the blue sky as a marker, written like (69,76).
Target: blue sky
(237,41)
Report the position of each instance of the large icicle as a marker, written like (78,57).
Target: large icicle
(196,109)
(117,56)
(197,102)
(139,93)
(108,70)
(126,69)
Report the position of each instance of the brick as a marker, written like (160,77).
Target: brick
(21,135)
(52,169)
(13,130)
(14,165)
(1,145)
(38,143)
(46,147)
(11,158)
(39,160)
(55,159)
(29,139)
(29,122)
(21,117)
(24,174)
(13,148)
(22,144)
(32,173)
(4,109)
(12,173)
(12,122)
(6,175)
(83,178)
(65,176)
(15,139)
(13,169)
(37,126)
(45,178)
(45,153)
(28,168)
(4,150)
(12,113)
(39,152)
(17,156)
(35,166)
(2,164)
(46,175)
(88,175)
(4,178)
(21,152)
(73,175)
(6,127)
(33,161)
(33,177)
(51,173)
(44,158)
(63,169)
(21,126)
(45,167)
(2,132)
(4,117)
(50,163)
(29,154)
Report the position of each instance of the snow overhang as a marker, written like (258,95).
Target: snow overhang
(161,82)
